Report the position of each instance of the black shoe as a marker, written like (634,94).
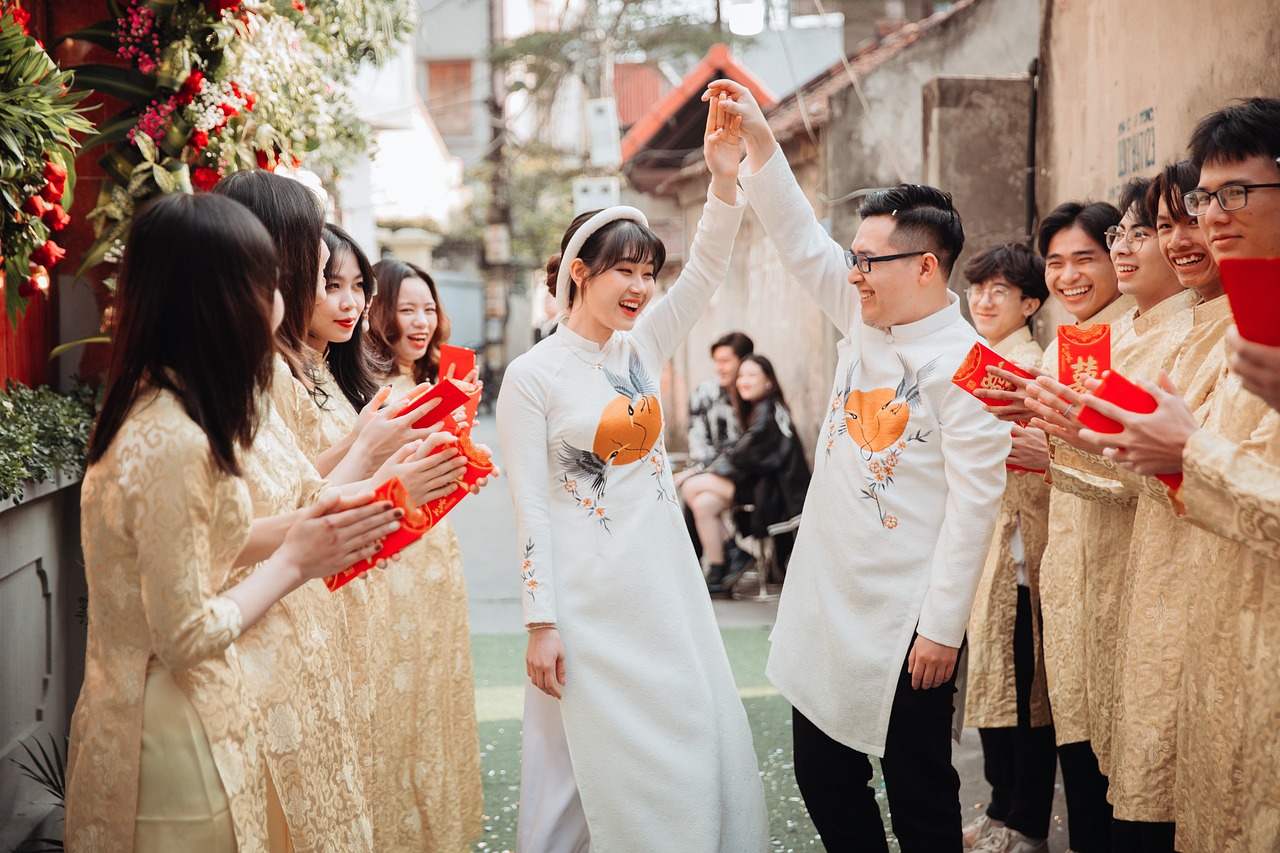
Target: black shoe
(733,575)
(715,577)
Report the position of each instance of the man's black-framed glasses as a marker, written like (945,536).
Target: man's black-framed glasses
(865,261)
(1230,197)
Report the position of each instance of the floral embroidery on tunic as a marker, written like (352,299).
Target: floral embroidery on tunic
(876,421)
(528,572)
(880,476)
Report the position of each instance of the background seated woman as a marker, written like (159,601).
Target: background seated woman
(766,467)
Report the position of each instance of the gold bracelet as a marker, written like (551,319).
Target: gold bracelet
(536,626)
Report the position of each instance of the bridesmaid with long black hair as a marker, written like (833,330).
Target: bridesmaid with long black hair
(163,753)
(306,667)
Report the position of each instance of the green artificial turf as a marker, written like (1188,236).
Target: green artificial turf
(499,667)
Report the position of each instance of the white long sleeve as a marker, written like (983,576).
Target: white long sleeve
(812,258)
(669,319)
(522,434)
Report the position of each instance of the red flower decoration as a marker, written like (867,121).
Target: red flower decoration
(217,7)
(299,5)
(48,254)
(250,100)
(199,140)
(265,161)
(56,178)
(55,217)
(21,17)
(192,86)
(228,110)
(204,178)
(28,288)
(35,206)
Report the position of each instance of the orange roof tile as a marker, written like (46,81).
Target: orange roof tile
(637,87)
(717,63)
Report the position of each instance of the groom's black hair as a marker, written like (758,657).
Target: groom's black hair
(926,220)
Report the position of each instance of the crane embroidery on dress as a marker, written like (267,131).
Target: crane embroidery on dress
(835,424)
(637,387)
(629,430)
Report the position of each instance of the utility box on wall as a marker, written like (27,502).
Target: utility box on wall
(595,193)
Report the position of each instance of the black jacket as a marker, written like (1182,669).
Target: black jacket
(768,467)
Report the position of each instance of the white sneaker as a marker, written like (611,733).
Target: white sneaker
(977,830)
(1006,840)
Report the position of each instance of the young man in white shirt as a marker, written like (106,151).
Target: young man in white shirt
(907,482)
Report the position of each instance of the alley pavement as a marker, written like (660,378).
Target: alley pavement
(485,524)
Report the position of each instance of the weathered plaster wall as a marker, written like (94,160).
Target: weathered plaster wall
(1124,84)
(884,146)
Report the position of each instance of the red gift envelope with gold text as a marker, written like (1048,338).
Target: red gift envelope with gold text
(414,524)
(1083,352)
(479,464)
(972,376)
(1252,286)
(1121,392)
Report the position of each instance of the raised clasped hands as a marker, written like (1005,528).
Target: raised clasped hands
(737,101)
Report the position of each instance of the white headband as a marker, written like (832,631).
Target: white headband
(591,226)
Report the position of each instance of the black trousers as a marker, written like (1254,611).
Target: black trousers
(1088,812)
(922,786)
(693,532)
(1021,762)
(1140,837)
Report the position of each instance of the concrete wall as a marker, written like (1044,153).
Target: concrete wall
(41,646)
(976,135)
(1124,84)
(459,30)
(884,147)
(760,298)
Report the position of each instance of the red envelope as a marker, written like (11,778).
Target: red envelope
(414,524)
(1120,391)
(1083,352)
(972,375)
(463,361)
(1253,290)
(479,464)
(451,396)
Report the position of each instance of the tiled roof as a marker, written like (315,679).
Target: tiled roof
(717,63)
(787,119)
(637,87)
